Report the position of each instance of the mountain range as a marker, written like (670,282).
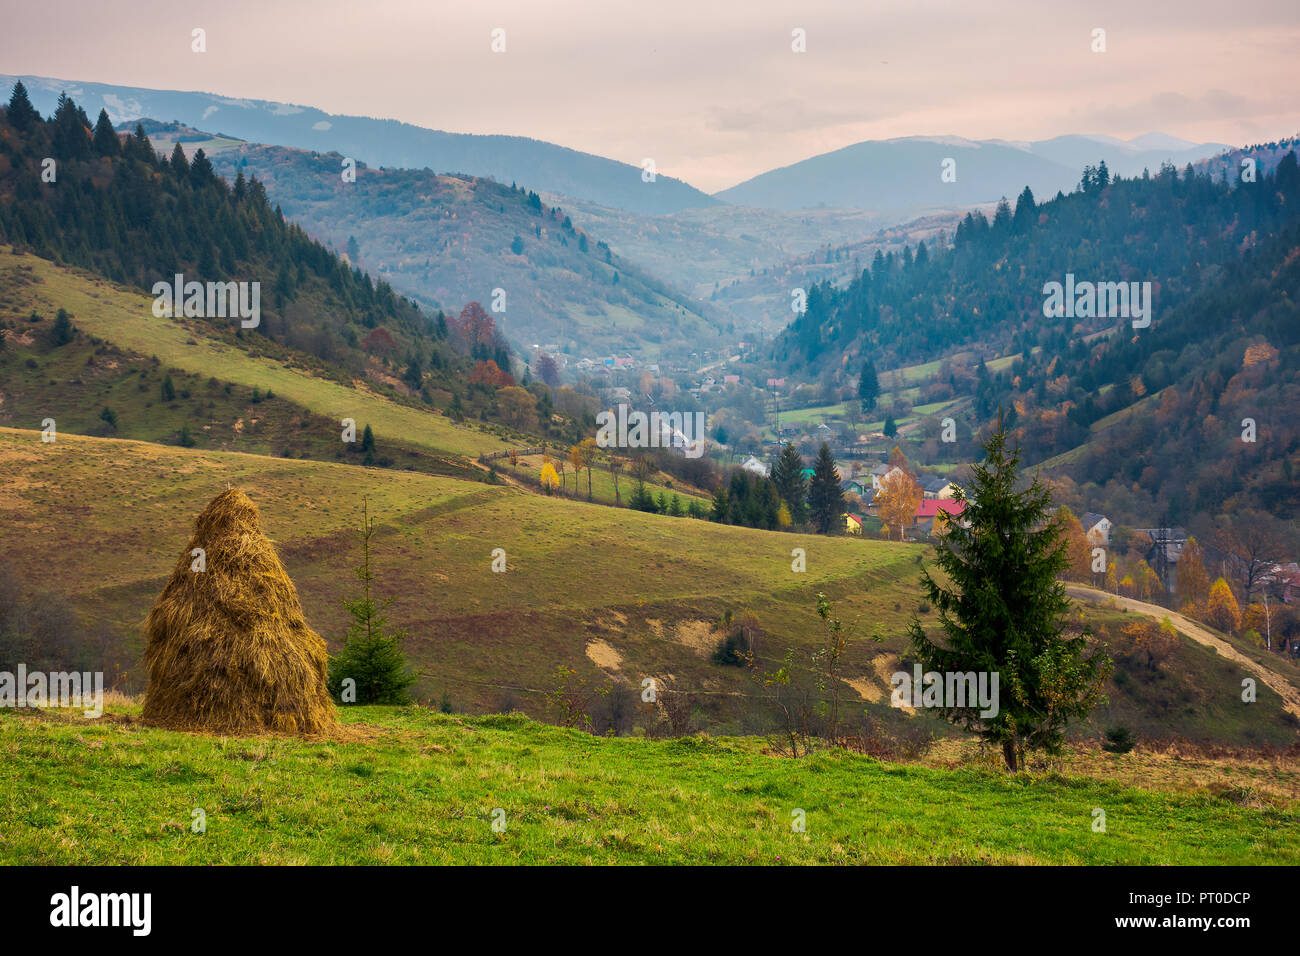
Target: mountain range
(909,172)
(381,142)
(894,174)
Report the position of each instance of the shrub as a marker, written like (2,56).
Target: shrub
(1119,740)
(62,332)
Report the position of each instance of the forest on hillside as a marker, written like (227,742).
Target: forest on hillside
(1190,415)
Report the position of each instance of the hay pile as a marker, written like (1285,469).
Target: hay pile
(229,649)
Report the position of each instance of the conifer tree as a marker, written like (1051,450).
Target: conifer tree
(791,484)
(825,497)
(71,140)
(721,507)
(1026,212)
(22,115)
(868,386)
(372,652)
(1002,611)
(180,165)
(105,140)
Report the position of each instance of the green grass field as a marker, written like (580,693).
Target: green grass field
(418,787)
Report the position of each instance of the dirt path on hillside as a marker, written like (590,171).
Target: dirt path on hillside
(1276,682)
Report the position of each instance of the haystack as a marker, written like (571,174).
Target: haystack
(229,649)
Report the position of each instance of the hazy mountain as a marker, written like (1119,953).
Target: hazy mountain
(906,172)
(703,250)
(381,142)
(448,240)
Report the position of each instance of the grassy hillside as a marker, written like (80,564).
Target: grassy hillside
(125,319)
(617,595)
(585,583)
(409,786)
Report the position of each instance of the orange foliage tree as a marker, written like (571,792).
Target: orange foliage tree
(897,500)
(486,372)
(1222,610)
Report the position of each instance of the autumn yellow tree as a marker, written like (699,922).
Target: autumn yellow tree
(1156,641)
(897,500)
(1149,586)
(550,480)
(1078,551)
(1111,584)
(1193,582)
(1222,610)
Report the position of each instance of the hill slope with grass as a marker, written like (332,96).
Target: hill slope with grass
(617,596)
(123,318)
(407,786)
(651,586)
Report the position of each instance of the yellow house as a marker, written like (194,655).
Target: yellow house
(852,524)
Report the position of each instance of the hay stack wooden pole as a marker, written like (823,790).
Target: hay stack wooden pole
(229,650)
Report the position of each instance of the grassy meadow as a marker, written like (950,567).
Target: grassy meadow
(411,786)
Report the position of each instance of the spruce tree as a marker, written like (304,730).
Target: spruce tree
(791,485)
(1026,212)
(62,332)
(1002,610)
(368,446)
(825,496)
(105,139)
(180,165)
(721,507)
(22,115)
(70,130)
(372,652)
(868,386)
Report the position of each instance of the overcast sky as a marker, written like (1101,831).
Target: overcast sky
(711,90)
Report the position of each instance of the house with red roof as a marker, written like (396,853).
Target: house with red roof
(931,508)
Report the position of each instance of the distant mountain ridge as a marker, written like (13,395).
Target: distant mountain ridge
(904,172)
(446,240)
(531,163)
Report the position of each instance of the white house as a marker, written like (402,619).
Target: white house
(879,473)
(754,466)
(1097,528)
